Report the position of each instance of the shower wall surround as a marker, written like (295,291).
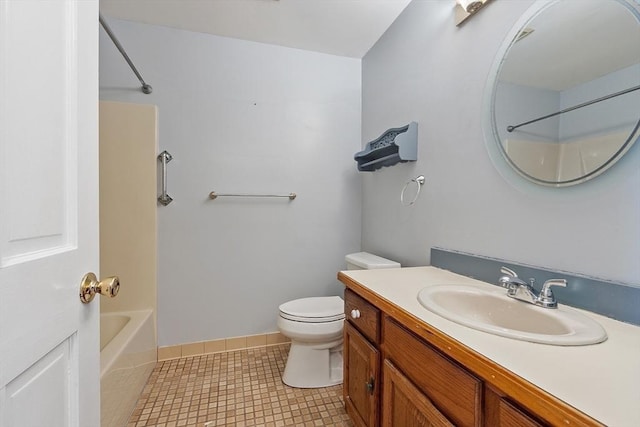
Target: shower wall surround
(244,117)
(426,69)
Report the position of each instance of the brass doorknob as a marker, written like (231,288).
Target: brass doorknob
(90,286)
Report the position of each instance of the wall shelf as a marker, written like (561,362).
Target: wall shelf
(396,145)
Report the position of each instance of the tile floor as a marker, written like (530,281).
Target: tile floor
(238,388)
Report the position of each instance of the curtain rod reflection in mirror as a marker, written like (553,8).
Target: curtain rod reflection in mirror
(575,107)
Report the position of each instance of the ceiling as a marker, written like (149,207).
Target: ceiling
(339,27)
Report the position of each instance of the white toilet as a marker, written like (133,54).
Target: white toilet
(315,327)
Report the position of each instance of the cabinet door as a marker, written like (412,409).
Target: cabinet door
(361,372)
(404,405)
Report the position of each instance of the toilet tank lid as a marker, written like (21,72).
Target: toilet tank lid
(370,261)
(314,307)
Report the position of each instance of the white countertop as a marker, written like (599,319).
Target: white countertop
(601,380)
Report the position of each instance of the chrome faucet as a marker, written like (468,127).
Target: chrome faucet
(521,290)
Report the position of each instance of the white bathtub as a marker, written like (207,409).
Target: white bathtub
(128,355)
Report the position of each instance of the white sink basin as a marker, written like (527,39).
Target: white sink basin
(496,313)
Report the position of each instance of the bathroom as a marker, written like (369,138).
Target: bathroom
(244,117)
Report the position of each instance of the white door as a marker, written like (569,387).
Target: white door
(49,357)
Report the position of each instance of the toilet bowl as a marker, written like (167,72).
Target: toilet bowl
(315,327)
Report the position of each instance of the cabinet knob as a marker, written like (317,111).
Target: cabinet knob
(355,313)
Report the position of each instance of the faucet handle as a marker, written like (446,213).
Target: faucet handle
(546,298)
(553,282)
(508,271)
(510,280)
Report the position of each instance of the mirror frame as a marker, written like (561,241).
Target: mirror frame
(492,139)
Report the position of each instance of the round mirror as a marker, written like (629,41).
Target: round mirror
(565,103)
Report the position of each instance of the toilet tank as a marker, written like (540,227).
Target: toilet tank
(367,261)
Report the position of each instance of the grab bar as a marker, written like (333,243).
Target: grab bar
(164,158)
(213,195)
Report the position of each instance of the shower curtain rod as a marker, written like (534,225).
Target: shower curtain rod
(146,88)
(575,107)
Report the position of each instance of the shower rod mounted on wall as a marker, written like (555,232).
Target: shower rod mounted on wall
(146,88)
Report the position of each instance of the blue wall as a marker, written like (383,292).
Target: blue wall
(426,69)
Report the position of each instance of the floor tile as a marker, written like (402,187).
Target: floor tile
(237,388)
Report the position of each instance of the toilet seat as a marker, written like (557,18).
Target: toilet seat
(313,310)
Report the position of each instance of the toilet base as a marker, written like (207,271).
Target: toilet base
(313,366)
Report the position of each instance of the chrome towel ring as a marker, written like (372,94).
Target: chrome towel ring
(419,180)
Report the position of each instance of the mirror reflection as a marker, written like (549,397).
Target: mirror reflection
(567,95)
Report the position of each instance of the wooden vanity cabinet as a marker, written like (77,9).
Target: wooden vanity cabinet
(361,386)
(418,380)
(399,372)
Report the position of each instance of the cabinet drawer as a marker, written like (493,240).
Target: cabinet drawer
(364,316)
(512,416)
(453,390)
